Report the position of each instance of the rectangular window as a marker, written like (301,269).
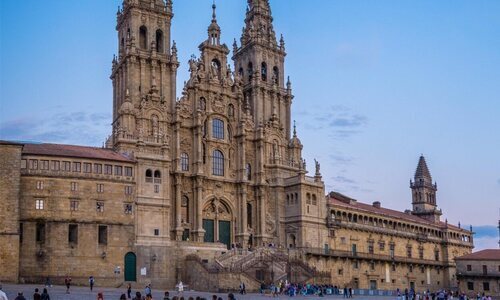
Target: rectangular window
(55,165)
(44,165)
(128,208)
(469,268)
(372,266)
(157,188)
(108,169)
(100,188)
(66,166)
(98,168)
(128,190)
(391,250)
(39,204)
(73,205)
(157,232)
(381,246)
(40,232)
(23,164)
(422,270)
(118,170)
(21,232)
(100,206)
(39,185)
(341,271)
(103,235)
(74,186)
(394,267)
(128,171)
(411,269)
(342,240)
(485,270)
(355,264)
(73,234)
(370,248)
(87,167)
(421,253)
(486,286)
(436,255)
(33,164)
(408,251)
(77,167)
(470,286)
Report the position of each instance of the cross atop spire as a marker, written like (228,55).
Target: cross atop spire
(214,15)
(214,28)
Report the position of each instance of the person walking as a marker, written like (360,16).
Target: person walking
(20,296)
(100,296)
(67,282)
(45,295)
(129,291)
(36,295)
(123,297)
(91,282)
(167,296)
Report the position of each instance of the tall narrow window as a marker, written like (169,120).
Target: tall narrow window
(276,75)
(248,171)
(250,71)
(40,232)
(157,176)
(263,71)
(218,129)
(73,205)
(73,234)
(218,163)
(159,41)
(249,215)
(118,170)
(39,204)
(185,209)
(98,168)
(143,37)
(149,176)
(103,235)
(128,171)
(184,162)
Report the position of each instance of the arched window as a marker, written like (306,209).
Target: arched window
(250,70)
(143,37)
(157,176)
(218,163)
(308,198)
(218,129)
(185,209)
(241,72)
(204,129)
(123,43)
(263,71)
(276,75)
(184,162)
(314,200)
(159,41)
(149,175)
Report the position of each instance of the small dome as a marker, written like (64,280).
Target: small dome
(295,142)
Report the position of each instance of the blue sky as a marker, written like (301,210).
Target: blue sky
(377,82)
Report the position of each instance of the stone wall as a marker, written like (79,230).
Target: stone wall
(10,159)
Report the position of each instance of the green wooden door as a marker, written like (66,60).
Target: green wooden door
(130,267)
(225,233)
(208,226)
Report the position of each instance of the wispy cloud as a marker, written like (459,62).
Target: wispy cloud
(498,181)
(79,127)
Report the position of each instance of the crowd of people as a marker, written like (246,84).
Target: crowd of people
(411,294)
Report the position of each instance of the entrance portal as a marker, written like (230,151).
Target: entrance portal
(217,219)
(130,267)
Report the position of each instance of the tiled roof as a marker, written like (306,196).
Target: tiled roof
(488,254)
(75,151)
(338,199)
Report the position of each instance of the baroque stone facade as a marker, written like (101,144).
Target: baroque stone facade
(181,181)
(479,272)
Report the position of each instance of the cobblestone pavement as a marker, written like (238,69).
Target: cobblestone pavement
(83,293)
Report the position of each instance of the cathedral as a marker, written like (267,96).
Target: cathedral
(211,183)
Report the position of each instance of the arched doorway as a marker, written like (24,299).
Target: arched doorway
(130,267)
(217,218)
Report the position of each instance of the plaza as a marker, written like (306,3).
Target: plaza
(84,293)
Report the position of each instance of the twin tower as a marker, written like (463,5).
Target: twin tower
(218,163)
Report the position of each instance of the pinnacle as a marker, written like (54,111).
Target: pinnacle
(422,170)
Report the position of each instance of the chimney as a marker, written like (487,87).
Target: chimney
(376,204)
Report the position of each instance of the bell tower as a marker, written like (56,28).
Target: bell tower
(260,62)
(424,193)
(143,75)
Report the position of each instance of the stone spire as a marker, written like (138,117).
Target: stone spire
(214,28)
(422,171)
(258,24)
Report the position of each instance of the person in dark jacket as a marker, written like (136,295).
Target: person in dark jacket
(45,295)
(36,295)
(20,296)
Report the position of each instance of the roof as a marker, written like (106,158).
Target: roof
(338,199)
(422,169)
(75,151)
(488,254)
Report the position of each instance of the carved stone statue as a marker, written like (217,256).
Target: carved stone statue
(318,167)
